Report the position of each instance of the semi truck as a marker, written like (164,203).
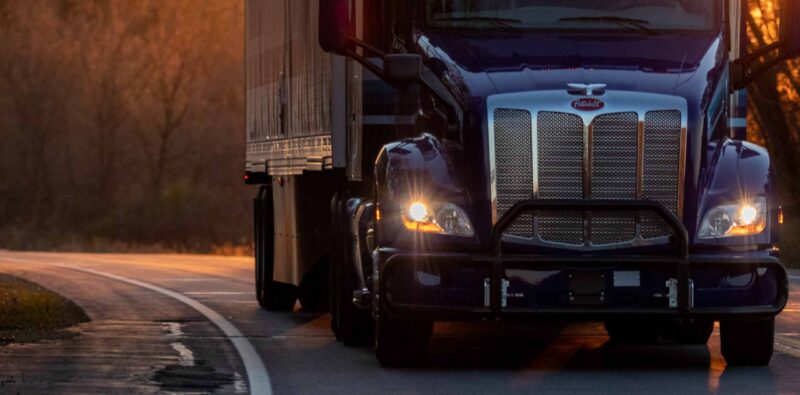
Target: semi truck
(447,160)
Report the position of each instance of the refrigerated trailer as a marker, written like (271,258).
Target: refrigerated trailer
(431,160)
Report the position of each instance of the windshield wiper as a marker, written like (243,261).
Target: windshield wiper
(502,22)
(637,24)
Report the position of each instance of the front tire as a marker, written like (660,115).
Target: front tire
(401,344)
(271,295)
(748,343)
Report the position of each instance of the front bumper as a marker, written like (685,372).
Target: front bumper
(455,286)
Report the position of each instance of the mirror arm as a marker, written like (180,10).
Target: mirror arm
(368,46)
(439,90)
(744,71)
(427,78)
(375,69)
(372,67)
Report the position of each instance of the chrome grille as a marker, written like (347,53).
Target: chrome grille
(661,175)
(514,165)
(614,156)
(542,149)
(560,149)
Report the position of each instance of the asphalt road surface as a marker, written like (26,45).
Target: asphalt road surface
(190,324)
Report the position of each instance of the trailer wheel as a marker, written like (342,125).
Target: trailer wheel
(271,295)
(633,330)
(400,344)
(351,325)
(748,343)
(692,331)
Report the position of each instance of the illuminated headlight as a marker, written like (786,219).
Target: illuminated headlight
(742,219)
(440,218)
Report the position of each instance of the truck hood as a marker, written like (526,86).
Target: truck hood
(511,62)
(474,67)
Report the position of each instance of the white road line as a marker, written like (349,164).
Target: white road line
(257,375)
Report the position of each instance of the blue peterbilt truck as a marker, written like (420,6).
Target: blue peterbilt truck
(434,160)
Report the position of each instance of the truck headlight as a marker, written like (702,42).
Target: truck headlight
(439,218)
(742,219)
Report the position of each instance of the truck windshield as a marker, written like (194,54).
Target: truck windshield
(643,16)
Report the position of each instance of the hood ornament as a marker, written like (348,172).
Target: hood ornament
(586,89)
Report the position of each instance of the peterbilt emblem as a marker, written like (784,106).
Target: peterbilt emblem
(586,89)
(588,104)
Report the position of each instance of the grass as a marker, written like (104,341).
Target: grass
(29,312)
(29,239)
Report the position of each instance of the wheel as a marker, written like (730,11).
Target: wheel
(271,295)
(401,344)
(691,331)
(633,330)
(748,342)
(351,325)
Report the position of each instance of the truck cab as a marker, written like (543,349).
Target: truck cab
(529,159)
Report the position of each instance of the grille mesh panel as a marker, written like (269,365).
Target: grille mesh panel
(514,165)
(614,165)
(560,149)
(662,145)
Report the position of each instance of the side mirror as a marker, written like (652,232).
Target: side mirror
(335,26)
(402,68)
(790,28)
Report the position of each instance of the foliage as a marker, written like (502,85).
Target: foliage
(775,120)
(122,121)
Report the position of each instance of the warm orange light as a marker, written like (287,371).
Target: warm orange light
(780,215)
(747,229)
(425,227)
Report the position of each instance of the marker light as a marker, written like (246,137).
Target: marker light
(742,219)
(439,218)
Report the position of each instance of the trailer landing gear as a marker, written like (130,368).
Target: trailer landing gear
(271,295)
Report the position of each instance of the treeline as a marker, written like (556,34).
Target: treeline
(121,123)
(774,120)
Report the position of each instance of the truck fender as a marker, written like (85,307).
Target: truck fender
(414,169)
(740,170)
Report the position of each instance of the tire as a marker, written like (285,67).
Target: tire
(351,325)
(692,331)
(401,344)
(271,295)
(633,330)
(748,343)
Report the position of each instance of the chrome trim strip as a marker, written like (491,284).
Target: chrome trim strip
(560,101)
(492,163)
(640,172)
(588,132)
(535,156)
(682,166)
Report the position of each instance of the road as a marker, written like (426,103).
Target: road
(145,338)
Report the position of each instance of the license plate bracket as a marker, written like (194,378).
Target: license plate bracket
(587,288)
